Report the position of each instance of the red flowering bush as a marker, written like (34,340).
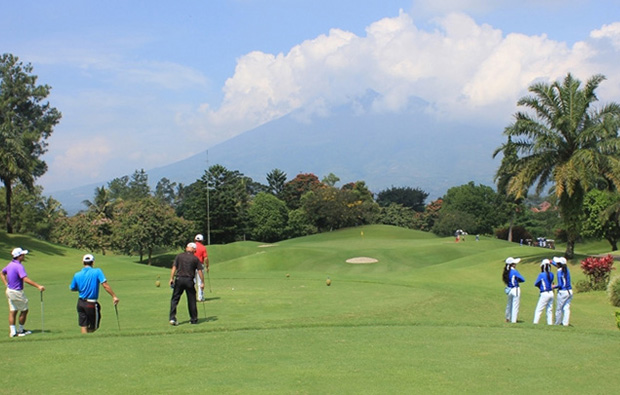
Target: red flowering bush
(598,270)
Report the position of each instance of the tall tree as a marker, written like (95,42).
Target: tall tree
(26,121)
(601,216)
(276,179)
(406,196)
(268,217)
(139,185)
(145,224)
(295,188)
(228,203)
(480,202)
(165,191)
(568,143)
(506,171)
(119,188)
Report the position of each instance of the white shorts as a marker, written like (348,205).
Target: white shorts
(17,300)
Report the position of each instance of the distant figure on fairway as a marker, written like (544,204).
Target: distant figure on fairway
(512,278)
(565,292)
(14,276)
(184,268)
(203,257)
(544,282)
(87,282)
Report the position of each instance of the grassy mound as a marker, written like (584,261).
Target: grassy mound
(427,317)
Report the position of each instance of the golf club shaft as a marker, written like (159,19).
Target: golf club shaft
(42,321)
(117,320)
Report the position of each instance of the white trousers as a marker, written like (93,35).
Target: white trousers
(512,305)
(562,307)
(200,293)
(545,303)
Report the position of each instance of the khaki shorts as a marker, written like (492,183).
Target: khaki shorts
(17,300)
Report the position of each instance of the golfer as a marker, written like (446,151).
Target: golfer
(184,268)
(87,282)
(201,254)
(565,292)
(544,282)
(512,278)
(14,276)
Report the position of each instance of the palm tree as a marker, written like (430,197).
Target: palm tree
(504,174)
(567,143)
(102,205)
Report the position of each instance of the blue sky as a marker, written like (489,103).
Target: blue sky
(142,84)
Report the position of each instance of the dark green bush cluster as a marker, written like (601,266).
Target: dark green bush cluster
(613,291)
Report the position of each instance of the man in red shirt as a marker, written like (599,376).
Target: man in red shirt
(201,254)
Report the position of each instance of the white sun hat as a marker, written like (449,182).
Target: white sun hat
(558,259)
(18,252)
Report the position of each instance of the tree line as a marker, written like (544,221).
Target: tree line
(561,141)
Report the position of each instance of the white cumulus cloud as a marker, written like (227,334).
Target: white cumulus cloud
(459,67)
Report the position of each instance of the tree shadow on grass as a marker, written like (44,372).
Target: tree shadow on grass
(163,260)
(34,246)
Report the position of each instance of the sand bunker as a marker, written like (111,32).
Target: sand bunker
(362,260)
(267,245)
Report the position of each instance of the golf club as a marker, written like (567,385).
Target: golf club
(117,321)
(42,321)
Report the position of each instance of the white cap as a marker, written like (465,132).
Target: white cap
(199,237)
(558,259)
(545,262)
(511,260)
(18,252)
(191,245)
(88,258)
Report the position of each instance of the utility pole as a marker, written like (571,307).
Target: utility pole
(208,208)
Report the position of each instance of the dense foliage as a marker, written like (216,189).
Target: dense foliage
(26,122)
(412,198)
(127,217)
(613,292)
(598,220)
(566,142)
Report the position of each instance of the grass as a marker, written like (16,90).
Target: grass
(427,318)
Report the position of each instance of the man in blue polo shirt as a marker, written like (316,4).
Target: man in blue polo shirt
(14,276)
(86,282)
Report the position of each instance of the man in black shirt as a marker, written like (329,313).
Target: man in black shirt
(184,267)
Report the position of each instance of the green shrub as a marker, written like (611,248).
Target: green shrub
(613,291)
(583,286)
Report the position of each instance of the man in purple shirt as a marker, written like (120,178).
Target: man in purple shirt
(13,276)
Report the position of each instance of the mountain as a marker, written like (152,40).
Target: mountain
(412,149)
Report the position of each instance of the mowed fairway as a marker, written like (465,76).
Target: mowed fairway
(428,317)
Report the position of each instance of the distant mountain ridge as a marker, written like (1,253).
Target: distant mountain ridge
(412,149)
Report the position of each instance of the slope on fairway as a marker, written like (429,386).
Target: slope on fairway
(427,317)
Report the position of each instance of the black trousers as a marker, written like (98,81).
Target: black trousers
(184,284)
